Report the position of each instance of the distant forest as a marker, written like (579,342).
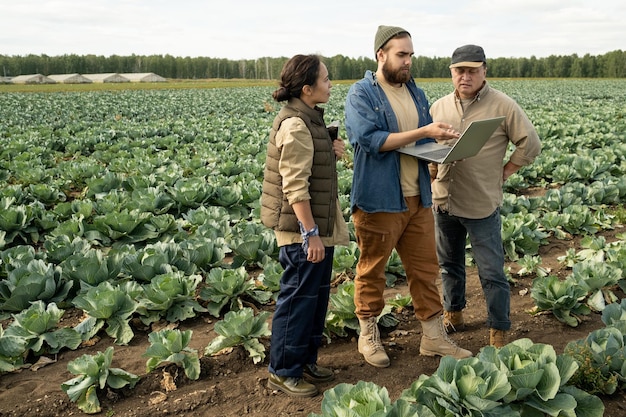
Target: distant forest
(609,65)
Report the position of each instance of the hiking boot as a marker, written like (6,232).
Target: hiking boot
(497,337)
(453,321)
(295,387)
(315,373)
(370,345)
(435,341)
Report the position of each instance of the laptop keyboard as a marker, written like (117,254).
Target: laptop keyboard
(436,154)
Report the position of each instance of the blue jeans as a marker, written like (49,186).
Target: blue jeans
(485,236)
(300,314)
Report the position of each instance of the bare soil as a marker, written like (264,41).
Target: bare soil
(231,385)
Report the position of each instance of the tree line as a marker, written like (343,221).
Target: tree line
(609,65)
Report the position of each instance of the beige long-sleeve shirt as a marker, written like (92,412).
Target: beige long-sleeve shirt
(472,188)
(295,168)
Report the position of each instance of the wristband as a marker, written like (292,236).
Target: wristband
(313,232)
(306,234)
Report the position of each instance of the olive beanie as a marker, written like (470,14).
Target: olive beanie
(384,33)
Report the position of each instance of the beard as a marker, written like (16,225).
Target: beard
(396,75)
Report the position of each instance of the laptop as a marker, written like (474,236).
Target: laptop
(471,141)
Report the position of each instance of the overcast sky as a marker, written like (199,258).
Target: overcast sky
(249,29)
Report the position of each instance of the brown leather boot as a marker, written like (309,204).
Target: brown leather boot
(296,387)
(453,321)
(497,337)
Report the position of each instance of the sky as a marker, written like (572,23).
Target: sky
(251,29)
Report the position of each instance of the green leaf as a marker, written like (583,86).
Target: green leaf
(587,405)
(561,403)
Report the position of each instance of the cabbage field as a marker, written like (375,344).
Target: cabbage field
(141,206)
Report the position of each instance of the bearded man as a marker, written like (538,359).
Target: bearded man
(391,196)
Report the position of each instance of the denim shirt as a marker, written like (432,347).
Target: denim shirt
(376,175)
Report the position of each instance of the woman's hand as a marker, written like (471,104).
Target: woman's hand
(317,251)
(339,147)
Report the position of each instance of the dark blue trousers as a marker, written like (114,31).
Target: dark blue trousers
(300,314)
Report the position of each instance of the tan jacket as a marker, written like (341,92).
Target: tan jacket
(472,188)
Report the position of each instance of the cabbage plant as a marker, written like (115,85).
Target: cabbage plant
(553,222)
(231,287)
(203,252)
(602,359)
(156,259)
(94,372)
(38,326)
(16,221)
(60,247)
(532,265)
(538,378)
(345,258)
(32,281)
(469,387)
(190,192)
(522,234)
(107,305)
(598,279)
(341,314)
(579,219)
(270,277)
(365,399)
(89,268)
(47,194)
(123,225)
(171,346)
(251,244)
(151,199)
(16,257)
(12,349)
(171,296)
(241,328)
(214,220)
(614,313)
(562,297)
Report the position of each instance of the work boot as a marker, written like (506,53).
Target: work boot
(435,341)
(315,373)
(295,387)
(497,337)
(453,321)
(370,345)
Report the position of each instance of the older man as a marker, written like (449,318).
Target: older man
(467,194)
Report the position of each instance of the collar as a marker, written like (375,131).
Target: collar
(316,113)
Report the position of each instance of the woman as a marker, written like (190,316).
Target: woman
(300,203)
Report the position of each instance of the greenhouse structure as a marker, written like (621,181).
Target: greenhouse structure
(32,79)
(144,77)
(70,78)
(113,77)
